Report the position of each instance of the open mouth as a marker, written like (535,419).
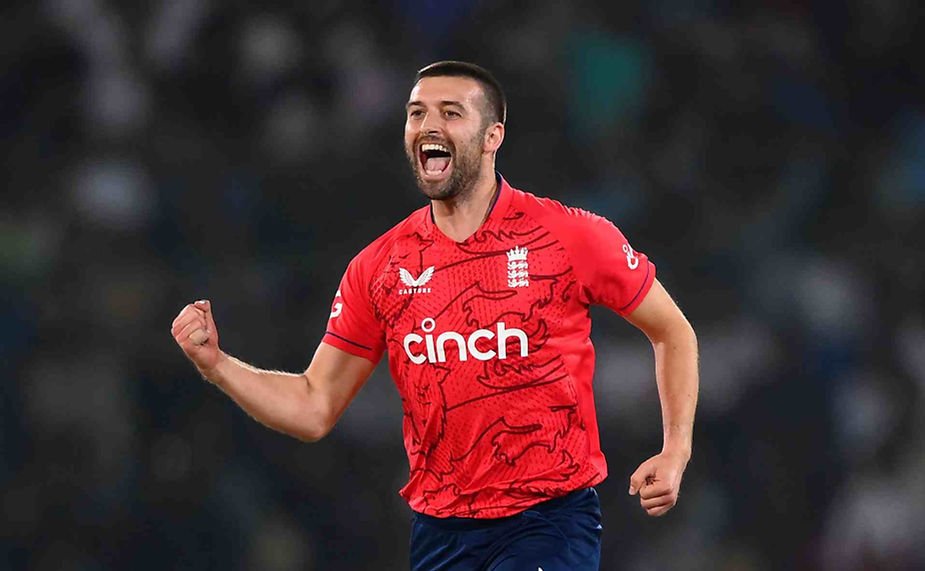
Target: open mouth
(435,159)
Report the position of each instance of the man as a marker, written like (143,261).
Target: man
(481,299)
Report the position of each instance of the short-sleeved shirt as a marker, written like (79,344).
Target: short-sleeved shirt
(489,346)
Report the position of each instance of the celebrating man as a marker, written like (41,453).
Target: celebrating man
(481,299)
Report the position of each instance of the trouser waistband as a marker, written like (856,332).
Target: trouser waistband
(463,523)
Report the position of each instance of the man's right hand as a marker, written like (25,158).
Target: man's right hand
(304,405)
(195,332)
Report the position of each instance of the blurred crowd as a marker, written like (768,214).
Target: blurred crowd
(767,156)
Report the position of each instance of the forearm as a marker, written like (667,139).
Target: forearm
(678,381)
(282,401)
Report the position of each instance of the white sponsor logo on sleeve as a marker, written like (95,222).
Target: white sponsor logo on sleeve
(338,306)
(632,260)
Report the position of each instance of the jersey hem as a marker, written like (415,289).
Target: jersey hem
(495,512)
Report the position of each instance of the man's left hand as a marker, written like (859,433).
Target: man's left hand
(658,482)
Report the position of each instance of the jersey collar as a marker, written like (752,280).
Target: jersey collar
(496,211)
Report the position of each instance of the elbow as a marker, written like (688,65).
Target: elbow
(311,434)
(679,333)
(316,414)
(687,334)
(315,428)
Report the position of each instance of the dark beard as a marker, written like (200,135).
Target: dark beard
(466,169)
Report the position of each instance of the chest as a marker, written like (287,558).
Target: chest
(520,280)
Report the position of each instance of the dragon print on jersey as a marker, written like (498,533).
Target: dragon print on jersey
(489,346)
(469,422)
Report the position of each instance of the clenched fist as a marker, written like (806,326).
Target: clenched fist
(195,332)
(658,482)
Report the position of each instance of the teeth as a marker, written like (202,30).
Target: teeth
(434,147)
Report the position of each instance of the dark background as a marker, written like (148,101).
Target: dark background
(768,156)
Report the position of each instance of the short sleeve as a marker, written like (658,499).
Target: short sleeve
(353,326)
(612,273)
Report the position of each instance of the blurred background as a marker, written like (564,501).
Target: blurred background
(768,156)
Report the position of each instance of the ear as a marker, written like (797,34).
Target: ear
(494,136)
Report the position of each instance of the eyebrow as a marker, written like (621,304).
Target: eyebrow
(444,103)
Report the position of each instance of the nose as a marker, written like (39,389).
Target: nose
(431,124)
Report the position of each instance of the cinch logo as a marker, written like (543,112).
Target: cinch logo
(434,350)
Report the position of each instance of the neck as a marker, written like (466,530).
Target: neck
(459,217)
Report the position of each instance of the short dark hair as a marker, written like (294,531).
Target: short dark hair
(494,95)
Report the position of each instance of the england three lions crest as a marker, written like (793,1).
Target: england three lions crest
(518,270)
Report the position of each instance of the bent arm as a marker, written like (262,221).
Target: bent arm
(675,346)
(305,406)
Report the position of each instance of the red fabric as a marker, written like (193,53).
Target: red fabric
(492,425)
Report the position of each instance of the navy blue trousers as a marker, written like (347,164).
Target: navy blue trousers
(563,534)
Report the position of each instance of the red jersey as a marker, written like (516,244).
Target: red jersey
(489,346)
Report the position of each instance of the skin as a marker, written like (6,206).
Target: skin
(452,111)
(457,182)
(658,479)
(307,405)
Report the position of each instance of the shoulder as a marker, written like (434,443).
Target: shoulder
(560,218)
(378,250)
(589,238)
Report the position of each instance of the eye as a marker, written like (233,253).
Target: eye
(452,114)
(415,113)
